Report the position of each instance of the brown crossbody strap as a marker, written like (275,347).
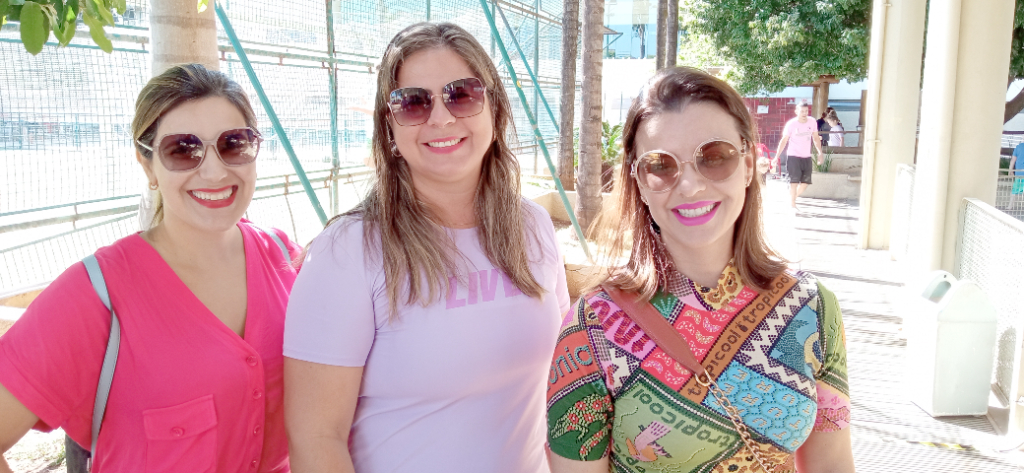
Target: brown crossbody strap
(656,327)
(672,342)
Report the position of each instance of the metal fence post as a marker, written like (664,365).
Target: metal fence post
(285,143)
(536,131)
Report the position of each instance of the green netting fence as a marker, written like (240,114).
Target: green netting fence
(70,180)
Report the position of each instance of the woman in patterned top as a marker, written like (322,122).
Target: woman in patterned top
(689,220)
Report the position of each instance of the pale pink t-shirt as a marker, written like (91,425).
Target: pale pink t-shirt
(458,385)
(188,393)
(800,136)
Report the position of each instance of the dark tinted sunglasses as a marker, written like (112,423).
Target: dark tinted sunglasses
(715,160)
(412,105)
(185,151)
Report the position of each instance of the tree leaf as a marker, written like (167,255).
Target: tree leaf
(103,11)
(17,3)
(65,31)
(121,6)
(34,28)
(96,31)
(202,5)
(3,12)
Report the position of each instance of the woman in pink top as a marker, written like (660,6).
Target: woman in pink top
(200,296)
(419,334)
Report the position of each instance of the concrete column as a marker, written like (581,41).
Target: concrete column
(966,66)
(179,34)
(893,97)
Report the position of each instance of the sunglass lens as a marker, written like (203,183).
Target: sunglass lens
(657,171)
(181,152)
(238,147)
(464,97)
(410,106)
(717,160)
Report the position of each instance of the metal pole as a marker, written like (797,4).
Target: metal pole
(529,70)
(285,143)
(333,73)
(536,67)
(428,10)
(536,131)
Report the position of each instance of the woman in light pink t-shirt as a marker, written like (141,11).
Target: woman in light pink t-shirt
(419,333)
(200,297)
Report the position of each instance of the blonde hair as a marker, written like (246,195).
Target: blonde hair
(630,219)
(175,86)
(406,229)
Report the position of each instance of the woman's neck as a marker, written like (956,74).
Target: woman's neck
(702,265)
(186,245)
(454,204)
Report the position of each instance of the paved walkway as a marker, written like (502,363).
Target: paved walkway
(890,434)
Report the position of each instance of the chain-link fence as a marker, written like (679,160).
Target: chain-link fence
(71,183)
(989,253)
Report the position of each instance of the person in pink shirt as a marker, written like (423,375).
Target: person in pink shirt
(200,296)
(800,133)
(419,333)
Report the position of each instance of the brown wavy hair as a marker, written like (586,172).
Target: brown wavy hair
(626,223)
(407,230)
(173,87)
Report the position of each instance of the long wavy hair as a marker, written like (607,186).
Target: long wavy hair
(418,254)
(626,225)
(173,87)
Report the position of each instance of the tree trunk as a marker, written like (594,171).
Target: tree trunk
(1014,106)
(567,104)
(660,34)
(180,35)
(588,201)
(672,33)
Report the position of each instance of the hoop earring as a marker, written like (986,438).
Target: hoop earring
(154,187)
(394,149)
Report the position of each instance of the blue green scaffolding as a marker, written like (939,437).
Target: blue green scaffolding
(71,182)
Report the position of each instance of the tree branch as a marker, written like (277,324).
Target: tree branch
(1014,106)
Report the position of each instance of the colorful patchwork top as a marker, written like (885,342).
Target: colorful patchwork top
(779,356)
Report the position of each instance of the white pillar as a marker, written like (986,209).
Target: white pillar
(894,78)
(179,34)
(966,66)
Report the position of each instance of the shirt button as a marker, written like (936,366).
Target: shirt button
(177,431)
(254,464)
(256,394)
(251,360)
(256,431)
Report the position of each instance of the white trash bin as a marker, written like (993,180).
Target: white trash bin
(951,337)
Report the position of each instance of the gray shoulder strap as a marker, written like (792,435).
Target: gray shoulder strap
(277,239)
(109,358)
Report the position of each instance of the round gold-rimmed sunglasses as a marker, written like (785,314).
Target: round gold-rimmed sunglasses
(715,160)
(186,151)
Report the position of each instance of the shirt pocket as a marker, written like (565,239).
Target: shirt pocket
(182,437)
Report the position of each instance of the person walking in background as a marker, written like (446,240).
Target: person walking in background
(836,138)
(419,334)
(824,126)
(1017,170)
(200,297)
(799,134)
(764,388)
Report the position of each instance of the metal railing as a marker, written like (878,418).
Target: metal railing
(988,252)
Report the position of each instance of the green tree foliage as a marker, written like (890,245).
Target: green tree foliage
(39,17)
(1015,104)
(766,45)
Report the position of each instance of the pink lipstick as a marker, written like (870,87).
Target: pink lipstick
(699,219)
